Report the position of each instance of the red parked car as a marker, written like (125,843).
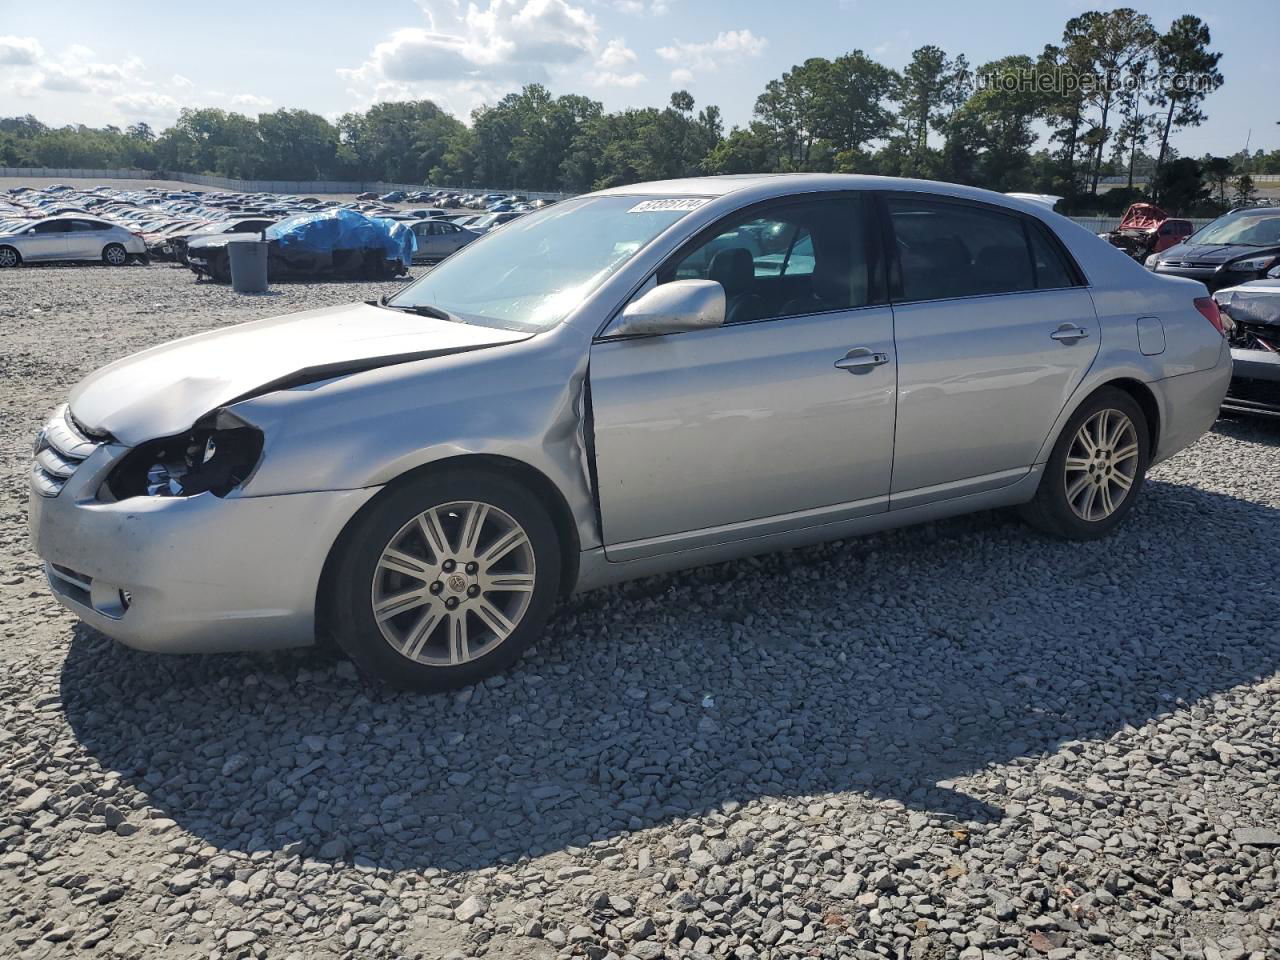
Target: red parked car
(1146,229)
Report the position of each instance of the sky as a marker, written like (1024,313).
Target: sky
(98,63)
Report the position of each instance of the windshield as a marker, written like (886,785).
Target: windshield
(1246,229)
(530,274)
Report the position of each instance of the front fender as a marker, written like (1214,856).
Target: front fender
(520,401)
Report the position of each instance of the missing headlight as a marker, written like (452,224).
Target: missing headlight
(215,456)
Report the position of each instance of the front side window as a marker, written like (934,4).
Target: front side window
(52,226)
(958,250)
(797,257)
(534,271)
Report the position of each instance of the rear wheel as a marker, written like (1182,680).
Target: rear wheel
(115,255)
(1096,470)
(9,257)
(446,580)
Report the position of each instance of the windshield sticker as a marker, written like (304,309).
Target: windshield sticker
(683,203)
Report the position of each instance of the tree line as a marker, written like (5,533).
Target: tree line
(1112,95)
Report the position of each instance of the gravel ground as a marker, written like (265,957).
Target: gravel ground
(956,741)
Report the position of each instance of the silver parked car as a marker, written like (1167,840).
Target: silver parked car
(70,238)
(647,378)
(438,239)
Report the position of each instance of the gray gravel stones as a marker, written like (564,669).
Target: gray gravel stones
(958,741)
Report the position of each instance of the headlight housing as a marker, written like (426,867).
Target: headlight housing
(1151,261)
(1251,265)
(215,456)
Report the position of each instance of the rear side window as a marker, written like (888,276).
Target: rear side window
(1051,270)
(956,250)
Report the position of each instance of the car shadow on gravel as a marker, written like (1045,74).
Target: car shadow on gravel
(1262,430)
(890,666)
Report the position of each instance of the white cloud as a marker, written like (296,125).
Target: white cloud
(494,42)
(19,51)
(78,70)
(615,54)
(467,56)
(181,82)
(708,56)
(251,100)
(147,105)
(641,8)
(611,67)
(610,78)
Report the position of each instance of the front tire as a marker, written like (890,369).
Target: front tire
(9,257)
(445,580)
(1096,470)
(114,255)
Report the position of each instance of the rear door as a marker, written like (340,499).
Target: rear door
(86,238)
(994,331)
(782,417)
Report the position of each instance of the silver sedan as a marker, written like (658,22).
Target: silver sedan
(70,238)
(643,379)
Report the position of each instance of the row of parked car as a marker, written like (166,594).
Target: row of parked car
(108,225)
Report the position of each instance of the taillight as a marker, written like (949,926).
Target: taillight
(1209,310)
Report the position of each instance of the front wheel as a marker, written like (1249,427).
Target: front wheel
(1096,470)
(9,257)
(445,580)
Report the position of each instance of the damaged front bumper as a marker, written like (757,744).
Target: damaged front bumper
(1255,383)
(195,574)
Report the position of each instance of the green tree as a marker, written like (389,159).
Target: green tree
(1217,171)
(1114,47)
(1187,74)
(1243,189)
(400,141)
(1180,185)
(998,119)
(821,107)
(931,88)
(296,145)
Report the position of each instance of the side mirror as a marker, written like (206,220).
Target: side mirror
(1274,273)
(674,307)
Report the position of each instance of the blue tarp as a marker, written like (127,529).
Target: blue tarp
(342,229)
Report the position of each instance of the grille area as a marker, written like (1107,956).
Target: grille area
(60,448)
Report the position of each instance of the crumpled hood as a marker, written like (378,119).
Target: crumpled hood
(1256,302)
(164,390)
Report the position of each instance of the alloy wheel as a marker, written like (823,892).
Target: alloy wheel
(8,257)
(453,583)
(1101,465)
(115,256)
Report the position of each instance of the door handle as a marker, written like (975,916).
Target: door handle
(1069,333)
(860,360)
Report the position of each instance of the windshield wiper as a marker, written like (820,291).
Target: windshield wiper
(421,310)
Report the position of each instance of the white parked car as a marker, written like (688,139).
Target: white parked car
(71,238)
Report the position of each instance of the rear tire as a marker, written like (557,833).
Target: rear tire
(445,580)
(1096,470)
(114,255)
(9,257)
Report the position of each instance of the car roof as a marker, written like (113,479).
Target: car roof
(764,186)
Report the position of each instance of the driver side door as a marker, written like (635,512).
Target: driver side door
(781,418)
(45,241)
